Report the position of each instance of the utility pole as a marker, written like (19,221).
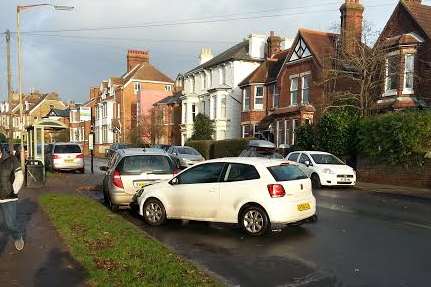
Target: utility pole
(9,90)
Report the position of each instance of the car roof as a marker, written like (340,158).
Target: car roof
(311,152)
(142,151)
(261,144)
(252,161)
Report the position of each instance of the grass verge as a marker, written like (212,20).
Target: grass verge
(114,251)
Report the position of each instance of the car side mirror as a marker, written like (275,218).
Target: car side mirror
(103,168)
(174,181)
(308,163)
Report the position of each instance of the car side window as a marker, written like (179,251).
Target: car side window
(241,172)
(304,158)
(205,173)
(293,156)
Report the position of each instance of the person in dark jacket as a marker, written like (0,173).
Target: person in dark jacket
(11,182)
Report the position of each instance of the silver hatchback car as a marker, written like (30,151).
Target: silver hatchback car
(130,170)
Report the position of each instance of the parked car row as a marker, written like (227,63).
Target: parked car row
(259,194)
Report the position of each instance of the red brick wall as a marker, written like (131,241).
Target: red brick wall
(395,175)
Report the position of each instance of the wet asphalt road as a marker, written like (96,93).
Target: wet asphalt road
(361,239)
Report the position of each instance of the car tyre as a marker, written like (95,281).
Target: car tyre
(112,207)
(82,170)
(315,181)
(154,212)
(254,221)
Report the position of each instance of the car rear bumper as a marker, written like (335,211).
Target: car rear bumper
(121,198)
(282,212)
(68,166)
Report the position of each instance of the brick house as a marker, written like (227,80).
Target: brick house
(259,89)
(166,120)
(406,39)
(123,103)
(296,94)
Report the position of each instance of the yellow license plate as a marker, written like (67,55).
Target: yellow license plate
(68,160)
(303,206)
(140,184)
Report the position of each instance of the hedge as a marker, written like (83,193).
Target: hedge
(396,138)
(204,147)
(217,149)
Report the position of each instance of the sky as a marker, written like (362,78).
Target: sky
(174,31)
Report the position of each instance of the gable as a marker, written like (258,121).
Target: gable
(300,51)
(402,21)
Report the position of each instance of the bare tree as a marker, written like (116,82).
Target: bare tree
(355,77)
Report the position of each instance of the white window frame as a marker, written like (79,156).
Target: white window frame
(409,91)
(194,111)
(303,76)
(258,107)
(223,105)
(245,96)
(387,92)
(168,88)
(275,94)
(137,87)
(292,79)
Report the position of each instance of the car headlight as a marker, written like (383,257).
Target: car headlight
(328,171)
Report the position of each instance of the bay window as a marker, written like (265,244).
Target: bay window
(275,97)
(306,89)
(245,100)
(391,73)
(409,71)
(258,98)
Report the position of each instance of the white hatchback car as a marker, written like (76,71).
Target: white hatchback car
(324,168)
(65,156)
(257,193)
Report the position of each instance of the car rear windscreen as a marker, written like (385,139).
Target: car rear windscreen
(151,164)
(286,172)
(73,148)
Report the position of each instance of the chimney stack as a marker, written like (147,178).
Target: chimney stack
(136,57)
(351,25)
(205,56)
(273,45)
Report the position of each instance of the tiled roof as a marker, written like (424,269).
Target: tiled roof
(169,100)
(146,72)
(237,52)
(267,71)
(403,39)
(421,13)
(60,113)
(321,44)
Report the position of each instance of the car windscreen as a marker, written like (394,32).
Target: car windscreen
(326,159)
(184,150)
(67,149)
(150,164)
(286,172)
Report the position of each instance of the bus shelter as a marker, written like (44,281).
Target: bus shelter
(35,138)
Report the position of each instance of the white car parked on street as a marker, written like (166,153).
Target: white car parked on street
(324,169)
(257,193)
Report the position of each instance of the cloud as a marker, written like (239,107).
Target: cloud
(72,65)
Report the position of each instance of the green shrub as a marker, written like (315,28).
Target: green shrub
(306,137)
(396,138)
(229,148)
(336,132)
(203,128)
(204,147)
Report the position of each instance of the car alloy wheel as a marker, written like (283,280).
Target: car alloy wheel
(254,221)
(154,212)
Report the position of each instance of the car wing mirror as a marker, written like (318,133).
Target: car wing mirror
(174,181)
(103,168)
(308,163)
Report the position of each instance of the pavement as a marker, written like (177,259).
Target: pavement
(393,189)
(45,261)
(362,238)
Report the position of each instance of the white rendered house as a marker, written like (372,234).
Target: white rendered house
(212,87)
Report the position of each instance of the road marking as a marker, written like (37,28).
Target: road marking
(417,225)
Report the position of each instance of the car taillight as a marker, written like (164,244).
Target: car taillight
(116,179)
(55,156)
(80,156)
(276,190)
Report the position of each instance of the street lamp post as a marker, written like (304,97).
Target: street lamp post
(18,37)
